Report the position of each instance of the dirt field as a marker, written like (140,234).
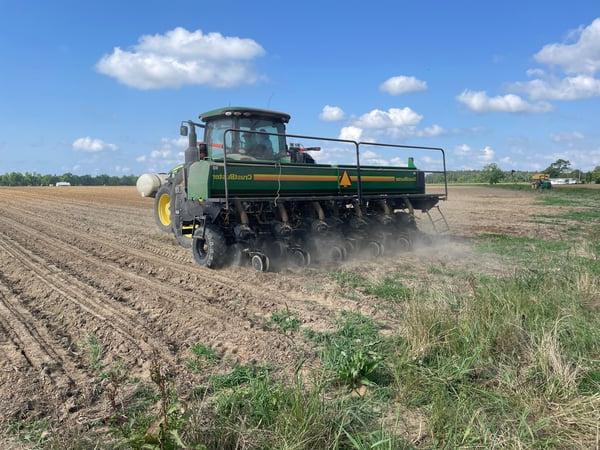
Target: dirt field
(80,262)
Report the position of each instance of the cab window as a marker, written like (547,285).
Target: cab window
(215,132)
(250,143)
(255,144)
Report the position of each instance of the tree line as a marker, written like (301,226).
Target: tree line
(493,174)
(37,179)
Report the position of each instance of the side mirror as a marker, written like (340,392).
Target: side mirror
(183,130)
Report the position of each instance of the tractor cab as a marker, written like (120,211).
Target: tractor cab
(257,139)
(246,135)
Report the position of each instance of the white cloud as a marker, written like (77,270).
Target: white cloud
(331,113)
(552,88)
(167,154)
(181,57)
(158,154)
(351,133)
(568,136)
(392,118)
(433,130)
(535,73)
(486,155)
(580,60)
(480,102)
(402,84)
(91,145)
(395,123)
(582,56)
(463,150)
(344,154)
(121,169)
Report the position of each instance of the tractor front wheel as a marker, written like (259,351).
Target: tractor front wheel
(209,250)
(162,208)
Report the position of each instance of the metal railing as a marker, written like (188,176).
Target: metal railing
(356,144)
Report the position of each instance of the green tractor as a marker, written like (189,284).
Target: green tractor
(245,195)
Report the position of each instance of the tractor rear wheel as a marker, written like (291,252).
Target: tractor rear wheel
(162,208)
(211,250)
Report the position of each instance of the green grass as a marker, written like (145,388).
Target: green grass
(240,375)
(553,200)
(518,345)
(520,247)
(354,353)
(202,356)
(560,196)
(266,413)
(285,320)
(590,215)
(34,433)
(95,352)
(389,288)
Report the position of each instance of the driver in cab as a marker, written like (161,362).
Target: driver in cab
(257,145)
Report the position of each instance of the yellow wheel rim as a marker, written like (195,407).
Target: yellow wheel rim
(164,209)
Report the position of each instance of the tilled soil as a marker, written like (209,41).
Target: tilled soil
(80,262)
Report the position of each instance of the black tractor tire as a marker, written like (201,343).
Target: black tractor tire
(210,251)
(162,208)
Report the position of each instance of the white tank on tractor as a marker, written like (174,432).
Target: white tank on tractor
(149,183)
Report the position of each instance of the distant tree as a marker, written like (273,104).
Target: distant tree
(558,167)
(492,174)
(595,178)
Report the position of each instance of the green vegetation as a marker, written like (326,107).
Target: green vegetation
(239,376)
(285,320)
(354,353)
(33,433)
(478,176)
(202,356)
(388,288)
(520,247)
(590,215)
(36,179)
(492,173)
(95,352)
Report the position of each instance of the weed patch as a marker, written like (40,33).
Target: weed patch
(355,352)
(285,320)
(95,352)
(389,288)
(238,376)
(34,433)
(202,356)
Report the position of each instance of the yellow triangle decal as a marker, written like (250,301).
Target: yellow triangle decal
(345,180)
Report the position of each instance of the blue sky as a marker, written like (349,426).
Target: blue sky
(94,87)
